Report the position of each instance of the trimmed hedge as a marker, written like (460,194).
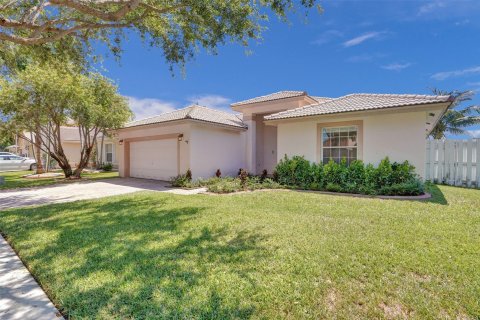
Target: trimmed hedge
(386,179)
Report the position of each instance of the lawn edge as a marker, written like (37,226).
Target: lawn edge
(12,246)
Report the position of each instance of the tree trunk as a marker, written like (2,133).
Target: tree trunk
(62,161)
(83,162)
(101,151)
(38,152)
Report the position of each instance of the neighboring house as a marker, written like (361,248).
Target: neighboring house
(70,138)
(356,126)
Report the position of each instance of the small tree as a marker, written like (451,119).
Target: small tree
(456,119)
(46,98)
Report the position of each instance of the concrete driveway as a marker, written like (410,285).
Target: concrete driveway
(84,190)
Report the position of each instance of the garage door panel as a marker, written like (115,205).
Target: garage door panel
(154,159)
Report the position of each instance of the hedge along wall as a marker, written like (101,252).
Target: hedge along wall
(386,179)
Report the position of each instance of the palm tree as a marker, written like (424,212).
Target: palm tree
(455,120)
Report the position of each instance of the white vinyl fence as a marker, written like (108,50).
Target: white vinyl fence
(454,162)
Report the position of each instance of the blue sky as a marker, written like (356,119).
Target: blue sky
(353,46)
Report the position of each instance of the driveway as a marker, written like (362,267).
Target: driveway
(84,190)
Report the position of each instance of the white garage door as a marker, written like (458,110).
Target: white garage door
(153,159)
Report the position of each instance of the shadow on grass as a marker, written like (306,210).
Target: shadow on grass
(139,258)
(437,194)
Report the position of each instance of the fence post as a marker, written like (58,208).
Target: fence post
(432,161)
(469,163)
(454,162)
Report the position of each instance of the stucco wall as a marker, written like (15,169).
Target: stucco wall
(401,136)
(72,152)
(214,148)
(297,138)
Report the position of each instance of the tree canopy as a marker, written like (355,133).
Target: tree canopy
(39,100)
(179,27)
(456,119)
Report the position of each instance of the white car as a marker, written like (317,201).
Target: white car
(12,162)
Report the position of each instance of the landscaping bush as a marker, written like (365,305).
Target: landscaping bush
(388,178)
(226,184)
(410,188)
(180,181)
(264,174)
(296,171)
(333,173)
(107,167)
(188,175)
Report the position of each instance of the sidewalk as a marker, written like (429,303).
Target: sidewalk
(20,295)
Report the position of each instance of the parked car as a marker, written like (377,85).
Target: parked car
(11,162)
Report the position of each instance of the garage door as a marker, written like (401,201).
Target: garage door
(153,159)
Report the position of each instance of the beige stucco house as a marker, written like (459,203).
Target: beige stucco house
(265,129)
(70,138)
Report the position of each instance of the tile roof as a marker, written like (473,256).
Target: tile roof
(272,96)
(321,99)
(194,112)
(358,102)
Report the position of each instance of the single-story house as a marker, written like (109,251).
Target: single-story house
(70,139)
(265,129)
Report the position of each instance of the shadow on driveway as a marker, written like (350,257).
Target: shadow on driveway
(83,190)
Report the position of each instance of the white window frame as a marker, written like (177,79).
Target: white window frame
(357,147)
(112,152)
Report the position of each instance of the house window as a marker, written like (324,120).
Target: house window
(109,152)
(339,143)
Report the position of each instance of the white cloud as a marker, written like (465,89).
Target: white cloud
(430,7)
(211,100)
(327,36)
(148,107)
(362,38)
(474,133)
(396,66)
(455,73)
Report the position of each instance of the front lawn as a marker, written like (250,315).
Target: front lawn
(14,179)
(269,255)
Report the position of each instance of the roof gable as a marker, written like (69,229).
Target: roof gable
(194,112)
(272,96)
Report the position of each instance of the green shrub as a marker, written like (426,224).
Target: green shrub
(384,173)
(243,178)
(228,184)
(225,186)
(317,176)
(333,173)
(180,181)
(333,187)
(107,167)
(402,172)
(264,174)
(294,172)
(188,175)
(356,173)
(410,188)
(387,178)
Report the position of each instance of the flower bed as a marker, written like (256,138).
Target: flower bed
(226,184)
(388,179)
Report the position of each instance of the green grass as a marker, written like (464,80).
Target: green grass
(268,255)
(14,179)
